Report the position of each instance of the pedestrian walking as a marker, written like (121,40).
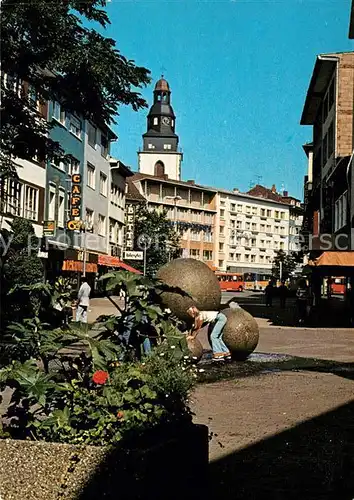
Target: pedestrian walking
(302,300)
(216,322)
(269,293)
(83,301)
(283,293)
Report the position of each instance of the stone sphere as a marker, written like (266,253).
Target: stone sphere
(195,278)
(241,332)
(195,349)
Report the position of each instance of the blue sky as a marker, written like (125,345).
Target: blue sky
(239,71)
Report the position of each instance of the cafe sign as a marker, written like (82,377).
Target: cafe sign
(75,203)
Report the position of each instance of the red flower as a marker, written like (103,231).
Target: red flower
(100,377)
(120,414)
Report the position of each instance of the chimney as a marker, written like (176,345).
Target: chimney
(274,189)
(191,181)
(236,190)
(285,194)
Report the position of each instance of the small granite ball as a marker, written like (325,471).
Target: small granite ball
(195,348)
(241,332)
(195,278)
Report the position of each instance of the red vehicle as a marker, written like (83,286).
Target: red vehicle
(231,282)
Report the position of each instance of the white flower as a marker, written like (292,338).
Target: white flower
(183,369)
(194,357)
(201,370)
(168,311)
(162,354)
(185,357)
(173,347)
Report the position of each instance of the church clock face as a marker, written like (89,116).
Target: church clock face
(165,120)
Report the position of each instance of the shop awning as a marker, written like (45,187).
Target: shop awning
(111,261)
(334,259)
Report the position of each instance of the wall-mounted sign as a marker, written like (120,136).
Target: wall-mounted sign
(75,265)
(49,228)
(75,203)
(133,255)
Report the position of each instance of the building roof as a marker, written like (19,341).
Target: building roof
(162,84)
(259,191)
(323,70)
(133,193)
(138,177)
(119,165)
(351,24)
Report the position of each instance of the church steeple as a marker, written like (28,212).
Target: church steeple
(160,155)
(161,121)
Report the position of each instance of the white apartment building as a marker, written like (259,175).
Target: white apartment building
(249,231)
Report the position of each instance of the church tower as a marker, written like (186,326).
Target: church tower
(160,155)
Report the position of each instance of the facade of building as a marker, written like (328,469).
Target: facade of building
(250,228)
(329,206)
(190,207)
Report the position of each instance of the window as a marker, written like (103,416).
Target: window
(253,242)
(238,224)
(208,237)
(262,243)
(104,146)
(269,229)
(282,215)
(253,258)
(151,146)
(276,229)
(330,139)
(58,112)
(231,256)
(238,257)
(233,207)
(31,203)
(221,228)
(58,163)
(248,226)
(61,208)
(263,228)
(194,252)
(248,209)
(91,135)
(89,219)
(222,213)
(91,176)
(207,255)
(340,211)
(195,235)
(51,203)
(269,213)
(239,208)
(112,231)
(254,226)
(276,214)
(74,167)
(221,247)
(75,126)
(167,146)
(221,263)
(263,212)
(254,211)
(103,184)
(101,225)
(247,257)
(282,245)
(156,121)
(13,192)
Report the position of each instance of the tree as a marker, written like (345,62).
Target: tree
(48,52)
(288,262)
(20,267)
(162,239)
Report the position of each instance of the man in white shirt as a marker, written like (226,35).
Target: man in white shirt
(83,301)
(216,321)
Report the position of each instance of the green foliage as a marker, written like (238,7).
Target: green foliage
(288,261)
(163,238)
(20,267)
(89,395)
(54,47)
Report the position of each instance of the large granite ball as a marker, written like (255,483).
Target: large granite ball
(241,332)
(195,278)
(195,349)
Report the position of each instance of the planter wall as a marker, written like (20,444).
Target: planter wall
(170,468)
